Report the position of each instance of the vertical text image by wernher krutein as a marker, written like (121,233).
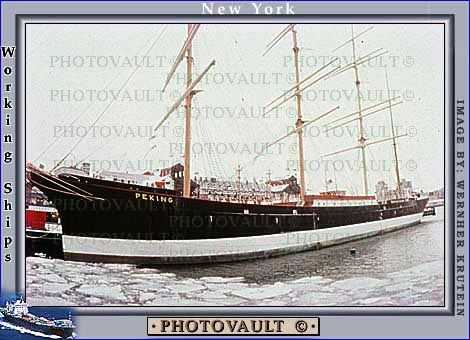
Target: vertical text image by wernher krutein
(235,165)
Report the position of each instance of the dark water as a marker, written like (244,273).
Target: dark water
(374,257)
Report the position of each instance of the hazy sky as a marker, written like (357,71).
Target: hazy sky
(76,72)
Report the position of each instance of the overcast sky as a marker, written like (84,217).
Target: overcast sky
(77,73)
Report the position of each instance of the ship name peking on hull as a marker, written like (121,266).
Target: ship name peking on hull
(106,221)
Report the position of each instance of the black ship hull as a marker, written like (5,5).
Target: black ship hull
(44,242)
(63,332)
(119,222)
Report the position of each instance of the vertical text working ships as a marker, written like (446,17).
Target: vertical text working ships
(8,168)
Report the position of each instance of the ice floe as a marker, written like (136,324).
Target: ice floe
(102,291)
(216,279)
(57,282)
(265,292)
(358,283)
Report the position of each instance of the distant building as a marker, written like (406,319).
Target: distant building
(72,170)
(436,194)
(260,192)
(284,190)
(231,191)
(149,180)
(176,173)
(384,193)
(33,196)
(406,188)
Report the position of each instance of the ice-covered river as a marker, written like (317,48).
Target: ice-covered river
(401,268)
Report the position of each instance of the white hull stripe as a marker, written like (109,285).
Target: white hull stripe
(230,248)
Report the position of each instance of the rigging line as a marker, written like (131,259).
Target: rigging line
(74,121)
(359,61)
(240,108)
(241,60)
(286,92)
(352,185)
(352,39)
(210,166)
(378,177)
(187,92)
(198,159)
(72,193)
(73,186)
(212,160)
(391,178)
(89,155)
(149,150)
(278,38)
(297,129)
(371,154)
(203,160)
(82,114)
(219,168)
(297,92)
(181,54)
(55,179)
(364,109)
(359,146)
(111,102)
(56,182)
(363,116)
(85,110)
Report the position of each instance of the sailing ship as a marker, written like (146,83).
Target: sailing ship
(17,313)
(112,221)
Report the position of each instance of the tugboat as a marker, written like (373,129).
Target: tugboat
(17,314)
(43,228)
(429,211)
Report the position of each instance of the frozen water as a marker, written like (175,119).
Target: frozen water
(262,292)
(102,291)
(186,287)
(396,289)
(143,297)
(56,288)
(54,278)
(358,283)
(215,279)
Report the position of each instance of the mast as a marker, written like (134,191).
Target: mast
(299,123)
(336,181)
(395,152)
(326,178)
(186,97)
(296,91)
(239,179)
(361,139)
(187,120)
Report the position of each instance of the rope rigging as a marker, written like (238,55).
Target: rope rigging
(111,102)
